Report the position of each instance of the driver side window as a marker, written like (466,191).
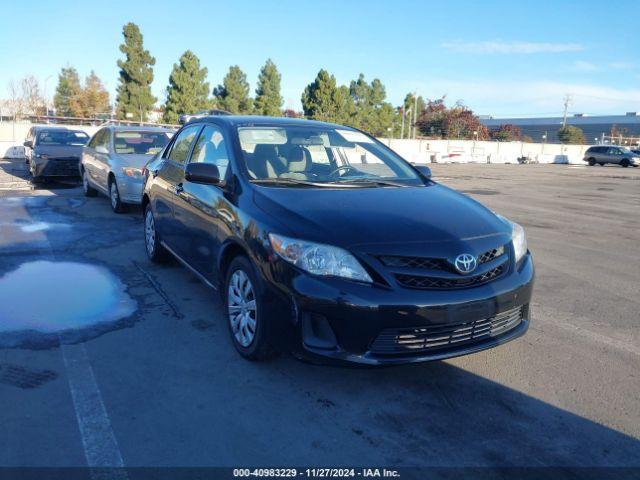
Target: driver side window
(211,147)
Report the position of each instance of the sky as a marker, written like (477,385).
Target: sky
(501,58)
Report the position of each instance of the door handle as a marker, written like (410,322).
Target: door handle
(179,189)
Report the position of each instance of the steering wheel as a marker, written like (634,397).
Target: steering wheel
(346,168)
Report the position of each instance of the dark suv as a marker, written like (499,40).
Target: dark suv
(324,241)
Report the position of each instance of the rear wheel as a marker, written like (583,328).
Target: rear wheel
(88,190)
(155,251)
(592,162)
(246,317)
(624,163)
(114,197)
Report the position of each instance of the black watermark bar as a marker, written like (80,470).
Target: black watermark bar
(404,473)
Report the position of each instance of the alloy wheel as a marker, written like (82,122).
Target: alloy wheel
(150,232)
(113,194)
(242,308)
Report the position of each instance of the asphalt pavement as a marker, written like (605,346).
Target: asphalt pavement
(163,385)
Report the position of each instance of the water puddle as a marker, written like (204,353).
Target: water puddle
(42,301)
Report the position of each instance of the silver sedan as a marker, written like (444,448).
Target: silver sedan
(113,160)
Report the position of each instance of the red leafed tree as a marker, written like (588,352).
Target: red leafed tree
(456,122)
(291,113)
(506,133)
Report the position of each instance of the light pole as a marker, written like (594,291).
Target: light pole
(46,97)
(544,140)
(404,114)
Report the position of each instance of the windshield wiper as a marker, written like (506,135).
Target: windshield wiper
(372,181)
(287,181)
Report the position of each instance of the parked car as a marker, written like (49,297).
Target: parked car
(113,160)
(601,154)
(325,242)
(53,152)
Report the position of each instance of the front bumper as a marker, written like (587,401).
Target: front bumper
(54,167)
(357,314)
(130,189)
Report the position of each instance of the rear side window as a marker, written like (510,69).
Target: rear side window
(182,144)
(211,147)
(137,142)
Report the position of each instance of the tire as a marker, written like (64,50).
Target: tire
(38,180)
(625,163)
(88,190)
(248,327)
(114,197)
(155,251)
(592,162)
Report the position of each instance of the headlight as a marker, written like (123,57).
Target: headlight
(518,238)
(132,172)
(319,259)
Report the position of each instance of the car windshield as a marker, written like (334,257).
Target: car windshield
(62,137)
(321,156)
(139,142)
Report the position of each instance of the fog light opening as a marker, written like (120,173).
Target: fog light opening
(317,333)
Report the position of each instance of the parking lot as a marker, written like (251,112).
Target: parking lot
(163,386)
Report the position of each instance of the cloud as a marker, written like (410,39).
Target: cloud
(522,98)
(622,65)
(500,47)
(583,66)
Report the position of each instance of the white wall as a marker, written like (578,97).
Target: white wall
(466,151)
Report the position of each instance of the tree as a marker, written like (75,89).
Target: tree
(268,98)
(372,113)
(324,100)
(188,90)
(94,98)
(233,94)
(571,134)
(410,103)
(136,74)
(291,113)
(506,133)
(455,122)
(66,100)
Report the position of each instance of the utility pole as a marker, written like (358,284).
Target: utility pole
(415,112)
(567,101)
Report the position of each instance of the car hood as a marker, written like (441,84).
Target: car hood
(367,216)
(133,160)
(59,151)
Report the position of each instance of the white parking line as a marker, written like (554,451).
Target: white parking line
(100,446)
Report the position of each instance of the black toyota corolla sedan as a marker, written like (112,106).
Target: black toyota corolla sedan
(323,241)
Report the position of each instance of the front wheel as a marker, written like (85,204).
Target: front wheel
(114,197)
(246,317)
(625,163)
(592,162)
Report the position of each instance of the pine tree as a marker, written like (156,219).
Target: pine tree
(372,113)
(136,74)
(94,98)
(233,94)
(324,100)
(188,90)
(67,97)
(268,99)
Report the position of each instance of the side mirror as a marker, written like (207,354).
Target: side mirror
(206,173)
(424,171)
(28,144)
(102,149)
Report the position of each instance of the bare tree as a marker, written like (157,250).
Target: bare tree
(24,97)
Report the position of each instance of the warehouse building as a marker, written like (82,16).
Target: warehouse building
(594,127)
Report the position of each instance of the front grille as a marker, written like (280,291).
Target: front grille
(428,283)
(441,337)
(396,261)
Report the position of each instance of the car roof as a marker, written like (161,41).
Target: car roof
(138,128)
(257,120)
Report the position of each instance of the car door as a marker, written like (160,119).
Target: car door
(200,209)
(89,160)
(101,159)
(167,183)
